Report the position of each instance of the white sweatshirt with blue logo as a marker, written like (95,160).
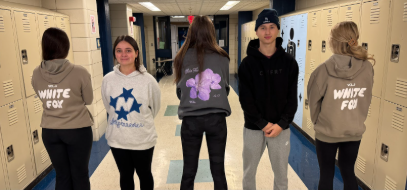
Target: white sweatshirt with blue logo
(132,103)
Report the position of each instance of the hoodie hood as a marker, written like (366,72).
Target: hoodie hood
(135,73)
(343,66)
(54,71)
(253,48)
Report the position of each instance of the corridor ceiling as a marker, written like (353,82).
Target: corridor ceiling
(193,7)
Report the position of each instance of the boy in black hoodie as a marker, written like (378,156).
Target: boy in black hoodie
(268,95)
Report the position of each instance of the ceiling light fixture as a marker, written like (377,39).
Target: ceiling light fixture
(177,17)
(229,5)
(150,6)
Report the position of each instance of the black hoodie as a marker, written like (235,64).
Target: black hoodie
(268,87)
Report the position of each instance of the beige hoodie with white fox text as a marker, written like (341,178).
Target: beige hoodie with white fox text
(339,94)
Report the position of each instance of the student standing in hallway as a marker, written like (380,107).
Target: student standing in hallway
(339,94)
(132,99)
(268,96)
(65,89)
(202,77)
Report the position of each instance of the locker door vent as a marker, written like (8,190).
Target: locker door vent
(63,27)
(405,12)
(312,65)
(46,24)
(21,174)
(12,116)
(44,156)
(401,88)
(390,184)
(2,27)
(302,24)
(8,88)
(26,25)
(309,123)
(37,105)
(374,15)
(361,164)
(370,111)
(349,16)
(329,20)
(314,21)
(398,121)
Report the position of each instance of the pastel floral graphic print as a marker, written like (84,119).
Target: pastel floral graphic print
(201,88)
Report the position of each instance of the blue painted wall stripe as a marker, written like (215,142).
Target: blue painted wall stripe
(105,35)
(140,22)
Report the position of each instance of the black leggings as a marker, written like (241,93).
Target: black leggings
(69,151)
(127,161)
(192,129)
(348,152)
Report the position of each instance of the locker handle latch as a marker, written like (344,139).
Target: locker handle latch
(384,154)
(35,137)
(309,44)
(395,53)
(323,46)
(10,153)
(365,46)
(306,103)
(24,56)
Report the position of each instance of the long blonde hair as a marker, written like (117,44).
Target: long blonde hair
(344,40)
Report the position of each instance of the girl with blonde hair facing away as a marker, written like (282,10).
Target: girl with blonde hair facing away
(339,94)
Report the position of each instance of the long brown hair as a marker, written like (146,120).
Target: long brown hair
(201,36)
(341,35)
(133,43)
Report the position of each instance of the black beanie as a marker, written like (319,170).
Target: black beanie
(267,16)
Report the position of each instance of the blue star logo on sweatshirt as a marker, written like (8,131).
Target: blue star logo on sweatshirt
(121,113)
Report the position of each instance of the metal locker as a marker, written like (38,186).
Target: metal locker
(16,145)
(350,12)
(329,19)
(396,83)
(390,171)
(44,22)
(307,124)
(10,88)
(3,185)
(314,42)
(34,107)
(2,179)
(365,161)
(29,47)
(64,24)
(375,18)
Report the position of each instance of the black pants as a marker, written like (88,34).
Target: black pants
(192,129)
(348,152)
(127,161)
(69,150)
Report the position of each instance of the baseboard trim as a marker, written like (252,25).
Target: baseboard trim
(39,178)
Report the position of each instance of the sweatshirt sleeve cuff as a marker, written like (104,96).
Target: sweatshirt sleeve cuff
(283,124)
(261,123)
